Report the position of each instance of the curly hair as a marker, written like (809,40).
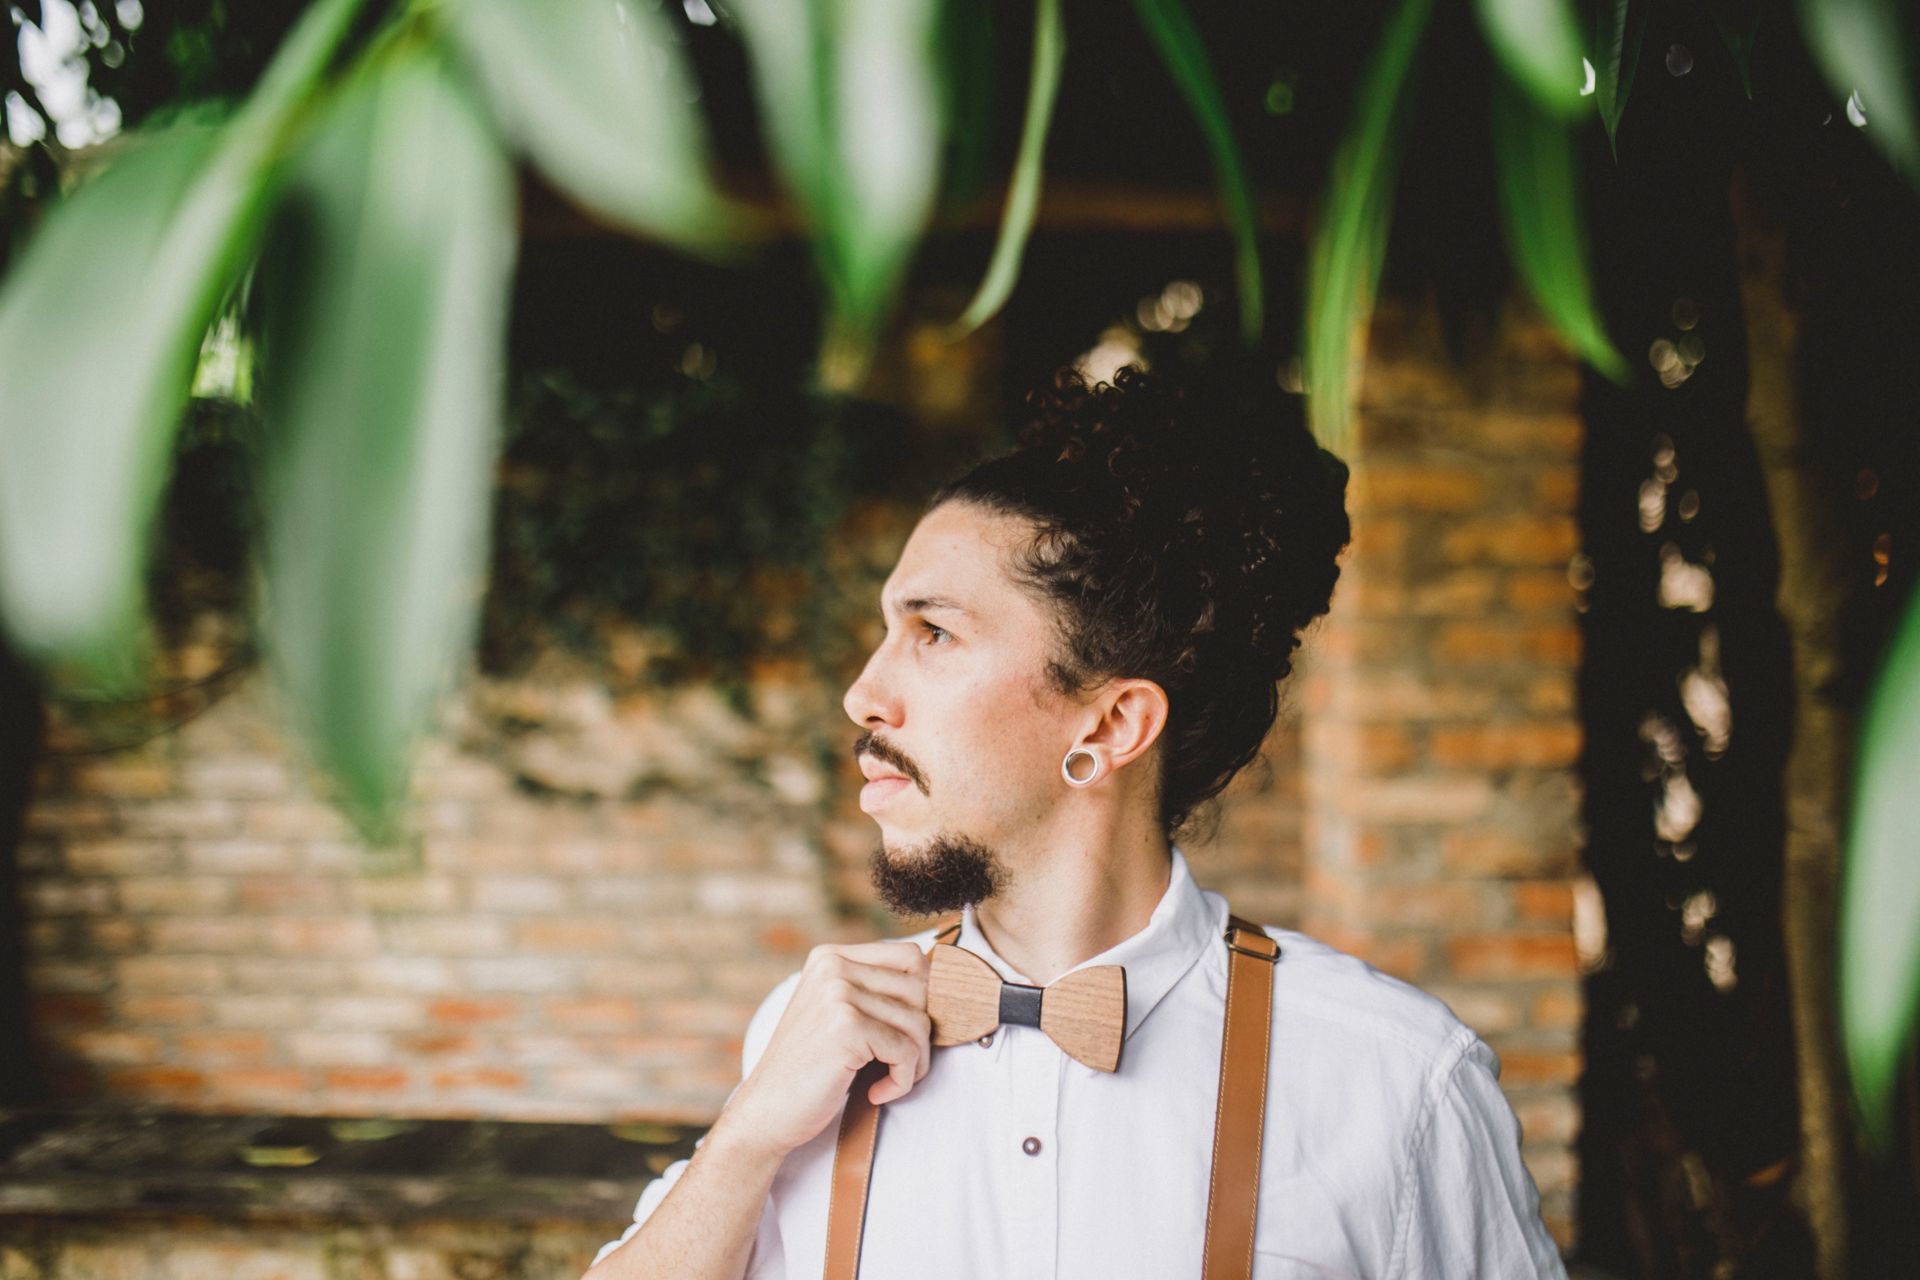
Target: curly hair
(1185,534)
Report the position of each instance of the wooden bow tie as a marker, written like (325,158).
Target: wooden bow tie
(1084,1012)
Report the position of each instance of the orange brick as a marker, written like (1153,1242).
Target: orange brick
(430,1044)
(68,1008)
(1528,433)
(1538,1066)
(226,1046)
(1546,1119)
(1515,540)
(1544,901)
(1424,905)
(255,1083)
(1556,488)
(1559,644)
(107,1044)
(170,1082)
(1550,693)
(368,1079)
(161,1010)
(1499,853)
(1460,591)
(481,1078)
(569,934)
(1378,539)
(1513,955)
(1421,799)
(784,939)
(1558,1009)
(1529,590)
(459,1012)
(129,778)
(1358,747)
(593,1013)
(1538,744)
(1379,486)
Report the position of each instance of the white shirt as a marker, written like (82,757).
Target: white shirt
(1389,1149)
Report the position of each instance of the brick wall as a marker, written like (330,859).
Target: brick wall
(607,883)
(1441,736)
(604,892)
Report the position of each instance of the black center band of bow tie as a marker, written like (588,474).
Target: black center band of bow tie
(1020,1003)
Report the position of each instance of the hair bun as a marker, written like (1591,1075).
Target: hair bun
(1221,485)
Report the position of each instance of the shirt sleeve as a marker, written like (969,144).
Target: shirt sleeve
(1468,1206)
(765,1261)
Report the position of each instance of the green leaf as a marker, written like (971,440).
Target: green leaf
(1738,22)
(1350,234)
(848,93)
(597,94)
(383,301)
(1867,46)
(1023,193)
(1880,883)
(1538,42)
(101,322)
(1540,210)
(1178,41)
(1621,28)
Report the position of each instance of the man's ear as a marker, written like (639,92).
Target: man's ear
(1135,715)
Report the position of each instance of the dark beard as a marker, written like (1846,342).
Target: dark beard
(942,875)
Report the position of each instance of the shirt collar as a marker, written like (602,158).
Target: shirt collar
(1180,928)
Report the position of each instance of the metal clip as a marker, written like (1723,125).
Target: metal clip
(1249,951)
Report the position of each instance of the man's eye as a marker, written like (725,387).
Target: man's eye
(933,630)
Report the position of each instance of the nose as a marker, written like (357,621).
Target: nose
(871,698)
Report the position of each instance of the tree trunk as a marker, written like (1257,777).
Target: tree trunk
(1813,586)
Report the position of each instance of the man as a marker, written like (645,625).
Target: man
(1084,639)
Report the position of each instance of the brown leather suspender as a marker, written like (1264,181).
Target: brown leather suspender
(1233,1198)
(1240,1116)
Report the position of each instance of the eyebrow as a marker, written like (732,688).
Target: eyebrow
(921,604)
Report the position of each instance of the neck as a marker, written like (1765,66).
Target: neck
(1075,902)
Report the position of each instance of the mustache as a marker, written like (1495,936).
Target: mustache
(868,745)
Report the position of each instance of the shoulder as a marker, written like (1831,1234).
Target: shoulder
(767,1016)
(1317,983)
(1341,1025)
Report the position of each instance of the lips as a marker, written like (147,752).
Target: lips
(880,789)
(874,771)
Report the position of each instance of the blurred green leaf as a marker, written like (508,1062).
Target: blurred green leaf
(1178,41)
(1880,883)
(384,292)
(101,322)
(1620,30)
(1023,193)
(1738,22)
(1350,234)
(848,95)
(597,94)
(1539,183)
(1866,46)
(965,50)
(1538,42)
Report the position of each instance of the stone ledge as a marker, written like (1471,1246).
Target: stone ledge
(252,1167)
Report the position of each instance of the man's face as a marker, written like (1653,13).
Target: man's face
(953,705)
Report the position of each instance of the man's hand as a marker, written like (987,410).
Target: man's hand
(854,1003)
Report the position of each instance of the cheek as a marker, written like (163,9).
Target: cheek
(1001,747)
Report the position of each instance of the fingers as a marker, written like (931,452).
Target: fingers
(908,985)
(897,1035)
(883,986)
(903,957)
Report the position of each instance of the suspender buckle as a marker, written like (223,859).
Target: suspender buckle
(1270,953)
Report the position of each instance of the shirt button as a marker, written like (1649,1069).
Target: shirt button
(1031,1146)
(986,1041)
